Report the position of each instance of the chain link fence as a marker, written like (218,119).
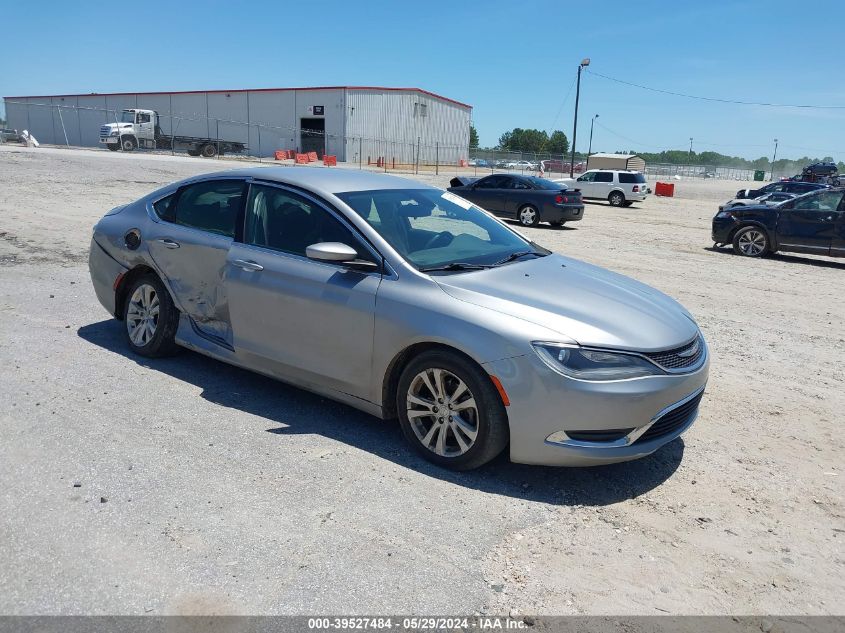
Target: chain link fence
(200,135)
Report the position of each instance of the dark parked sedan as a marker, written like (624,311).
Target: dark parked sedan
(788,186)
(527,199)
(812,223)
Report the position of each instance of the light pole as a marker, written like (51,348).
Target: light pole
(584,62)
(774,156)
(689,156)
(590,150)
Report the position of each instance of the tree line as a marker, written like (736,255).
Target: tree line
(540,142)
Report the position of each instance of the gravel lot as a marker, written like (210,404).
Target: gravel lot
(187,486)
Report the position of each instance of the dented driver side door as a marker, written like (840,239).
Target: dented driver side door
(189,244)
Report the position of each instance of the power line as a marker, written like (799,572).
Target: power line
(717,99)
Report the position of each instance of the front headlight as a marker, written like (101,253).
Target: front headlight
(589,364)
(724,215)
(113,133)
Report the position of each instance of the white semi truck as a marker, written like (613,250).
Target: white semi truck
(140,128)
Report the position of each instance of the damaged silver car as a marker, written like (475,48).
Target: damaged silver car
(407,302)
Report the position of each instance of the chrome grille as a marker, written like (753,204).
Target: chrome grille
(683,357)
(104,131)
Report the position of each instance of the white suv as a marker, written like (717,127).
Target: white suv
(619,188)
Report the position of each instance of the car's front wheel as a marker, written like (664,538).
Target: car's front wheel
(151,318)
(751,241)
(528,215)
(450,411)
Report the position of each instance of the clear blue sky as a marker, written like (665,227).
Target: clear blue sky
(515,62)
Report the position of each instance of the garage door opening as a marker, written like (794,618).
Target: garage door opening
(313,136)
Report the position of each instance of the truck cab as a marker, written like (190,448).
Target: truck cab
(136,128)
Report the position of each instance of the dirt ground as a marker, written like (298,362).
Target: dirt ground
(187,486)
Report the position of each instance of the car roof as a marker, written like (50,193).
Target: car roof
(322,180)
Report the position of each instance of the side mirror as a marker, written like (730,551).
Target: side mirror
(338,253)
(330,252)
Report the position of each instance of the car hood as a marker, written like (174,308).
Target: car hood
(753,209)
(585,303)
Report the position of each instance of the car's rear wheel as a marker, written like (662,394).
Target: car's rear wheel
(450,411)
(751,241)
(528,215)
(151,318)
(616,199)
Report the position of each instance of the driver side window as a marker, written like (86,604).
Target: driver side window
(284,221)
(588,177)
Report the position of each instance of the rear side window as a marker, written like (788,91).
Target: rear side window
(604,176)
(164,207)
(492,182)
(210,206)
(630,179)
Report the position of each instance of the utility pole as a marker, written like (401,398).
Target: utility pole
(689,157)
(774,156)
(590,150)
(584,63)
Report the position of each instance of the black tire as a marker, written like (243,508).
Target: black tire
(616,198)
(162,342)
(209,150)
(751,241)
(128,143)
(193,152)
(491,422)
(113,147)
(528,215)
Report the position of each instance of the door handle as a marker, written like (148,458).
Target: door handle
(247,265)
(168,243)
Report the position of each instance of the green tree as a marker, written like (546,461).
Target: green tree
(558,143)
(519,140)
(473,137)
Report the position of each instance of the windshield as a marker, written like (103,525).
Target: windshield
(127,117)
(543,183)
(431,228)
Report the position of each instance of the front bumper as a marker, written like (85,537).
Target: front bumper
(722,229)
(108,139)
(543,404)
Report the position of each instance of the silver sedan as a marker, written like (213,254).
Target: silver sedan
(404,301)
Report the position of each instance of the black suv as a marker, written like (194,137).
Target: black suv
(812,223)
(787,186)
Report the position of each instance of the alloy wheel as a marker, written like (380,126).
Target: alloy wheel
(752,243)
(142,314)
(528,216)
(442,412)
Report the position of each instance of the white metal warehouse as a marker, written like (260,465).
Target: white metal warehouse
(352,122)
